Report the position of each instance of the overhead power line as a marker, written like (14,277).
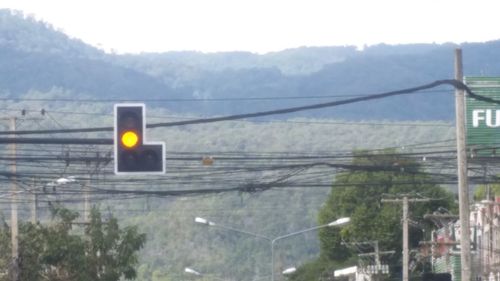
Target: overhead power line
(455,83)
(86,141)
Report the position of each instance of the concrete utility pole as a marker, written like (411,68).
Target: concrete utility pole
(438,220)
(376,253)
(406,252)
(14,229)
(463,187)
(34,203)
(14,200)
(86,204)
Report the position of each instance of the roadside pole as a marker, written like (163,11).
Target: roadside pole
(406,252)
(463,188)
(13,205)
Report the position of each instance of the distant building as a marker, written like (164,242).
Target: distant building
(353,273)
(485,243)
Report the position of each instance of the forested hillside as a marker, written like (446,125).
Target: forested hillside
(269,176)
(36,57)
(177,241)
(276,171)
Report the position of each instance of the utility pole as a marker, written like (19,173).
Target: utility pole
(406,252)
(442,220)
(34,203)
(378,268)
(86,204)
(87,191)
(14,227)
(13,204)
(376,250)
(463,187)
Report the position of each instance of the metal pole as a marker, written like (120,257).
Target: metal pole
(405,239)
(289,235)
(272,259)
(337,223)
(463,188)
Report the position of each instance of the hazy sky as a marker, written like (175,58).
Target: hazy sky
(264,25)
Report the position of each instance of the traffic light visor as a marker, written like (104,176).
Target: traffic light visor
(129,139)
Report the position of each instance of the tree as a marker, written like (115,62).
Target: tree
(358,193)
(484,191)
(111,252)
(56,252)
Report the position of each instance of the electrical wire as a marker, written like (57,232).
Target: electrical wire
(455,83)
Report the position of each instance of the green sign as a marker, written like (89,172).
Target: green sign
(483,118)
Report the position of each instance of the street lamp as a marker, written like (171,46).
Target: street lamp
(191,271)
(197,273)
(211,223)
(203,221)
(338,222)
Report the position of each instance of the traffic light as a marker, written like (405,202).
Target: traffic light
(133,155)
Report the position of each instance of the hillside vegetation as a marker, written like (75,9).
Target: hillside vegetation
(278,167)
(174,241)
(37,57)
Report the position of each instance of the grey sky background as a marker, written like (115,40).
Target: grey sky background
(260,26)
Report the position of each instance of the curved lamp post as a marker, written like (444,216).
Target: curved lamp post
(211,223)
(338,222)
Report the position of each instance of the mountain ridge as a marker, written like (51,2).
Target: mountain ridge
(35,56)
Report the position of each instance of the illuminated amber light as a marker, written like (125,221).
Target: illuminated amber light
(130,139)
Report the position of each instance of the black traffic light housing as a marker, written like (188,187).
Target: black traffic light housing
(133,155)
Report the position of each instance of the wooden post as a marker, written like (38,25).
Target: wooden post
(463,188)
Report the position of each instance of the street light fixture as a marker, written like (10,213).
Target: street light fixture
(340,222)
(191,271)
(203,221)
(336,223)
(194,272)
(289,270)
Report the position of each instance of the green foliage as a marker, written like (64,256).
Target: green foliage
(41,63)
(174,241)
(5,253)
(357,194)
(310,270)
(24,33)
(483,191)
(55,252)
